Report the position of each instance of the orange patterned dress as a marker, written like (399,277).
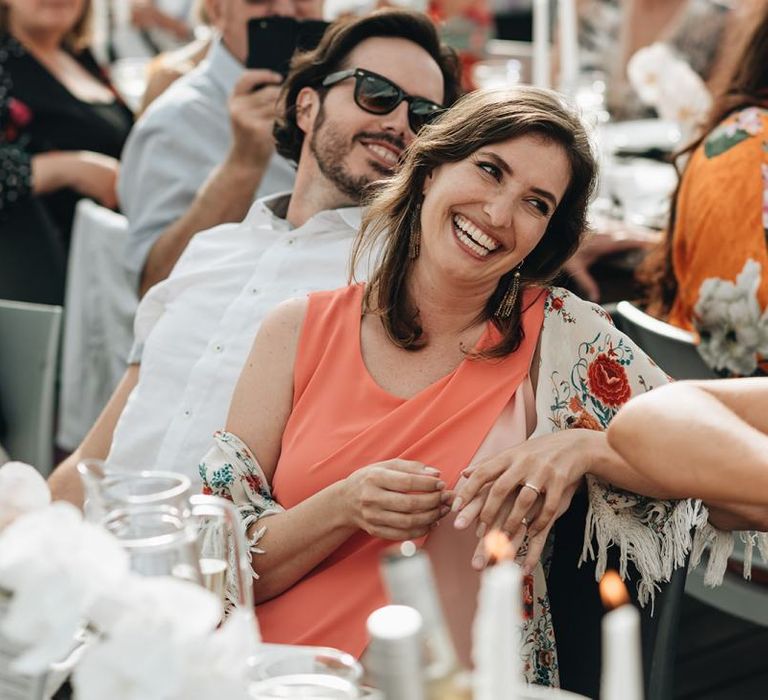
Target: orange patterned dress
(720,246)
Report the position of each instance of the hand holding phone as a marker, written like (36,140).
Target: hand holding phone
(252,112)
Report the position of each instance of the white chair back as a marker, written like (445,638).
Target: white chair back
(100,303)
(671,348)
(29,346)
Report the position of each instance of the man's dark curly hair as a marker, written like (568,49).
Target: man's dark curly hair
(308,69)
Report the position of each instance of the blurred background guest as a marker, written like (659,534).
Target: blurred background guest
(711,274)
(167,67)
(466,26)
(611,31)
(61,131)
(141,28)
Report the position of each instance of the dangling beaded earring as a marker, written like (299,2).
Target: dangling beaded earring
(414,242)
(507,303)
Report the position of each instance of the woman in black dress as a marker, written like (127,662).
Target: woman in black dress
(62,128)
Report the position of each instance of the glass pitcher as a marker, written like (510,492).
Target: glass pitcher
(213,524)
(108,488)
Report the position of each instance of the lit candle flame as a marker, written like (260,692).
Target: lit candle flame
(613,592)
(497,547)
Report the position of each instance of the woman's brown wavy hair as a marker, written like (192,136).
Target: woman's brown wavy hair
(478,119)
(747,87)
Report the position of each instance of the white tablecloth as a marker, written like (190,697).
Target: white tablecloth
(98,320)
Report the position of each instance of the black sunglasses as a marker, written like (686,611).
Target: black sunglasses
(376,94)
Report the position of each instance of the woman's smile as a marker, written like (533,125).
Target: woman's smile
(472,238)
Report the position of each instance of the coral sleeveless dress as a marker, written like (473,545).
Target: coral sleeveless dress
(342,420)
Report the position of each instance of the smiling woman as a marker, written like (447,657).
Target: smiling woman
(510,186)
(361,410)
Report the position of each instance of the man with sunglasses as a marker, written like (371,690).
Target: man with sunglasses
(351,107)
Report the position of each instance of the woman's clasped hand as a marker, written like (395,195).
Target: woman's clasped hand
(523,490)
(396,500)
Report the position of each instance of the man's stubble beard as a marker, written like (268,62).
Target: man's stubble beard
(331,148)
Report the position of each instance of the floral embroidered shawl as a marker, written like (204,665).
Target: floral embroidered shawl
(587,371)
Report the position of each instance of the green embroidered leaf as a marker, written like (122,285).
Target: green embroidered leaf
(719,143)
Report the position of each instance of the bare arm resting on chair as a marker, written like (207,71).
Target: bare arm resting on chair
(64,481)
(715,433)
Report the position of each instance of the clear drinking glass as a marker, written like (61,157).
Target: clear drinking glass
(158,540)
(309,660)
(224,554)
(307,686)
(590,96)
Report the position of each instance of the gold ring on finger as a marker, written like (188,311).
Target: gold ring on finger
(524,521)
(529,485)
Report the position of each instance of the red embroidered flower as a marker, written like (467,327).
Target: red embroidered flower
(207,491)
(527,597)
(19,113)
(254,483)
(608,380)
(557,303)
(546,658)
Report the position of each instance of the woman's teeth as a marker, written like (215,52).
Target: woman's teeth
(473,237)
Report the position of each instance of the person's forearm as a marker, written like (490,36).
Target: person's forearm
(50,170)
(660,478)
(299,539)
(225,197)
(609,466)
(688,441)
(747,398)
(736,516)
(64,481)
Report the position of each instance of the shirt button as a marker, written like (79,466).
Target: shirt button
(187,413)
(218,347)
(254,291)
(291,241)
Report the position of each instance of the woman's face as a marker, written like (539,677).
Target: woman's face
(44,16)
(483,215)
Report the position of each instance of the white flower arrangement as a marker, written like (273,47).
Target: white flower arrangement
(732,328)
(22,490)
(664,81)
(154,638)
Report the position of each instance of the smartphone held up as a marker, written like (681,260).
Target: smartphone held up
(272,41)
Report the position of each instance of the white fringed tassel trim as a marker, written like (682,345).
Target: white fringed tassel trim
(720,546)
(654,555)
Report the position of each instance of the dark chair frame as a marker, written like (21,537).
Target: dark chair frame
(577,613)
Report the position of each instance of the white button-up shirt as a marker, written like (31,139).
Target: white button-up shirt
(195,329)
